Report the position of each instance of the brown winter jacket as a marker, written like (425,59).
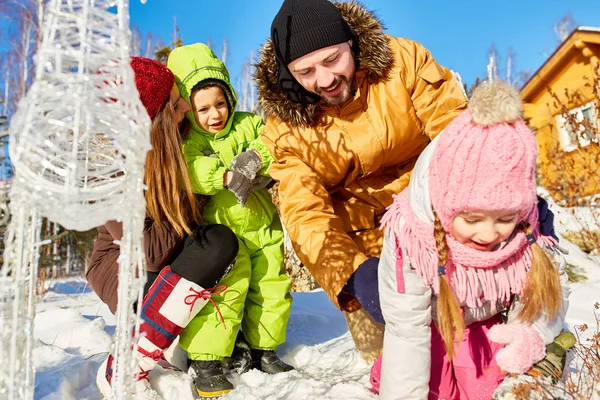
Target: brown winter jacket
(338,168)
(161,245)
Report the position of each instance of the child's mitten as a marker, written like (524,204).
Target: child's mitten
(261,182)
(247,163)
(524,346)
(240,186)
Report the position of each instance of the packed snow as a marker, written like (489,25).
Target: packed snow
(73,330)
(572,219)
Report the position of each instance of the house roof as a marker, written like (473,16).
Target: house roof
(588,28)
(572,44)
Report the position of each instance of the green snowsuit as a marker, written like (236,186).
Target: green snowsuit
(258,288)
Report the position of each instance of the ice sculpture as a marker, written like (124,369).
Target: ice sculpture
(78,144)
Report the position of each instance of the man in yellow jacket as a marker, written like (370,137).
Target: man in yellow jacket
(349,109)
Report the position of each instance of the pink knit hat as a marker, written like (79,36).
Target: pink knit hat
(485,159)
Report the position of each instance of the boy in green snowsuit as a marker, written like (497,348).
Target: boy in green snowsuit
(227,161)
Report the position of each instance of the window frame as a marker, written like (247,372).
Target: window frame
(566,138)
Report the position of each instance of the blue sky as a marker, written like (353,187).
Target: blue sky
(458,33)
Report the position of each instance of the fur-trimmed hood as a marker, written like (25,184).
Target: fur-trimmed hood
(375,58)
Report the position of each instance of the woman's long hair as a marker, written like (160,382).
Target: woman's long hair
(542,291)
(169,196)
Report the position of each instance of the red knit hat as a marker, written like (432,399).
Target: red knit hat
(154,81)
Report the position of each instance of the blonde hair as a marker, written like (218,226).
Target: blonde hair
(450,321)
(542,291)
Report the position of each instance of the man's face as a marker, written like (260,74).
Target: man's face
(327,72)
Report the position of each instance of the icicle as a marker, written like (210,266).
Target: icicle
(17,301)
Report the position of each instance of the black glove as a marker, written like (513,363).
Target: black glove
(247,163)
(240,186)
(546,219)
(364,286)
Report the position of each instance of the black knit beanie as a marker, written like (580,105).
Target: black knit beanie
(301,27)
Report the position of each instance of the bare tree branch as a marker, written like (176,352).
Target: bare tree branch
(564,27)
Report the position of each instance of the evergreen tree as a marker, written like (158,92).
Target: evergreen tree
(162,53)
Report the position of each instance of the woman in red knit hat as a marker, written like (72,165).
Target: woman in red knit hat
(183,259)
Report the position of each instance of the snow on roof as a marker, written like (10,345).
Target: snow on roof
(588,28)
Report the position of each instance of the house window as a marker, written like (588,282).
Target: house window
(573,135)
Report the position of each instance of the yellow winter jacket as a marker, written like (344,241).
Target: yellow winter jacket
(338,168)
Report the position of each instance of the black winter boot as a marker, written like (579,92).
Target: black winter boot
(241,358)
(209,379)
(268,361)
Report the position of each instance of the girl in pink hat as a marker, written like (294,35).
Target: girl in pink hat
(469,288)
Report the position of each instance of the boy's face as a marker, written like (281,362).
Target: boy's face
(210,108)
(484,230)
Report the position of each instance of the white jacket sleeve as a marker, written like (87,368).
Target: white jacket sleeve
(549,330)
(406,307)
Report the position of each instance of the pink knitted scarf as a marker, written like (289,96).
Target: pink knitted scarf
(476,276)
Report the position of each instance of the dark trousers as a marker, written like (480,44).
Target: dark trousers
(206,257)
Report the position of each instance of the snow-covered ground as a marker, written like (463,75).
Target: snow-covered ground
(73,331)
(571,219)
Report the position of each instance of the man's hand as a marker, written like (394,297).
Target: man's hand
(364,286)
(546,219)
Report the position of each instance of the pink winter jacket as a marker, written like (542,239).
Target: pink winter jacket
(408,306)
